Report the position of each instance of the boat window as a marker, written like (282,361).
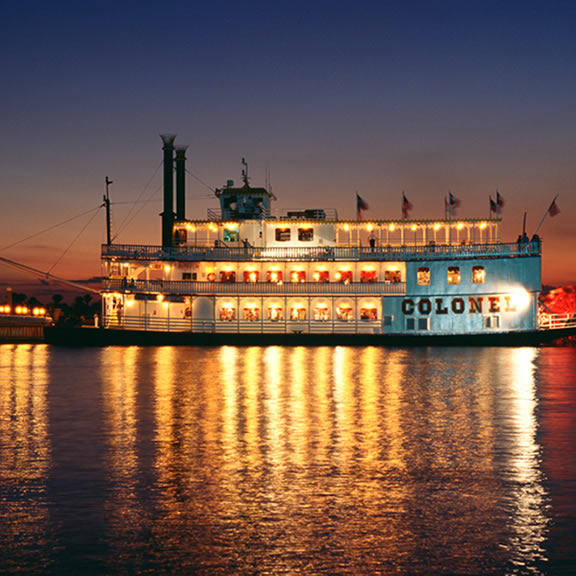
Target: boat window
(368,314)
(491,321)
(344,313)
(410,323)
(423,323)
(344,276)
(251,314)
(297,313)
(321,314)
(227,313)
(297,276)
(423,276)
(282,234)
(305,234)
(387,320)
(250,276)
(231,235)
(368,276)
(453,274)
(478,275)
(275,314)
(274,276)
(227,276)
(392,276)
(321,276)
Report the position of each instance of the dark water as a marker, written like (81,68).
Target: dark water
(287,461)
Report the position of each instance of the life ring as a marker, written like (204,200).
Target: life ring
(211,277)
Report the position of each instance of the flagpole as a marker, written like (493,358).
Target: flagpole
(545,214)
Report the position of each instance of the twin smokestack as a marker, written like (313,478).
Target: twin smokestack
(168,215)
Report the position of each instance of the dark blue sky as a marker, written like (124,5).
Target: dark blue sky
(332,98)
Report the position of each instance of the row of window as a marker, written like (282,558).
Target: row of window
(319,314)
(281,235)
(276,276)
(424,323)
(454,275)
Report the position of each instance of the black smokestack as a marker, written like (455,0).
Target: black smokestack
(181,182)
(168,213)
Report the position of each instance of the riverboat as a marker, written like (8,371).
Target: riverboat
(250,273)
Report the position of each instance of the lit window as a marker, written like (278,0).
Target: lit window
(368,276)
(250,276)
(227,276)
(344,276)
(306,234)
(423,276)
(252,314)
(344,313)
(321,314)
(275,314)
(231,235)
(478,274)
(453,275)
(297,276)
(228,313)
(392,276)
(298,313)
(321,276)
(282,234)
(368,314)
(274,276)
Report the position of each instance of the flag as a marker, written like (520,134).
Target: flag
(406,206)
(499,200)
(493,205)
(361,204)
(453,202)
(553,210)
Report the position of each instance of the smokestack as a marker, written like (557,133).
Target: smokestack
(181,182)
(168,213)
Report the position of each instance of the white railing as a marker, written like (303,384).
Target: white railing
(548,321)
(288,288)
(237,326)
(329,253)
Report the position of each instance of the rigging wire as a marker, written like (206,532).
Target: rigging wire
(132,213)
(212,189)
(51,228)
(71,243)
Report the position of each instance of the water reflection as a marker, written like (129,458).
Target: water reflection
(25,455)
(329,460)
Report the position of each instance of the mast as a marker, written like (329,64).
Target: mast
(107,206)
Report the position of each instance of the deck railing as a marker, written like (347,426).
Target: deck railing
(330,253)
(548,321)
(237,326)
(251,288)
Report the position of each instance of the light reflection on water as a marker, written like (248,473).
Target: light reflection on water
(276,460)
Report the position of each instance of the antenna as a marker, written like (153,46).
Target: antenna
(245,171)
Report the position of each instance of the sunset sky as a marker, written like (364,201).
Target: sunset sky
(331,98)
